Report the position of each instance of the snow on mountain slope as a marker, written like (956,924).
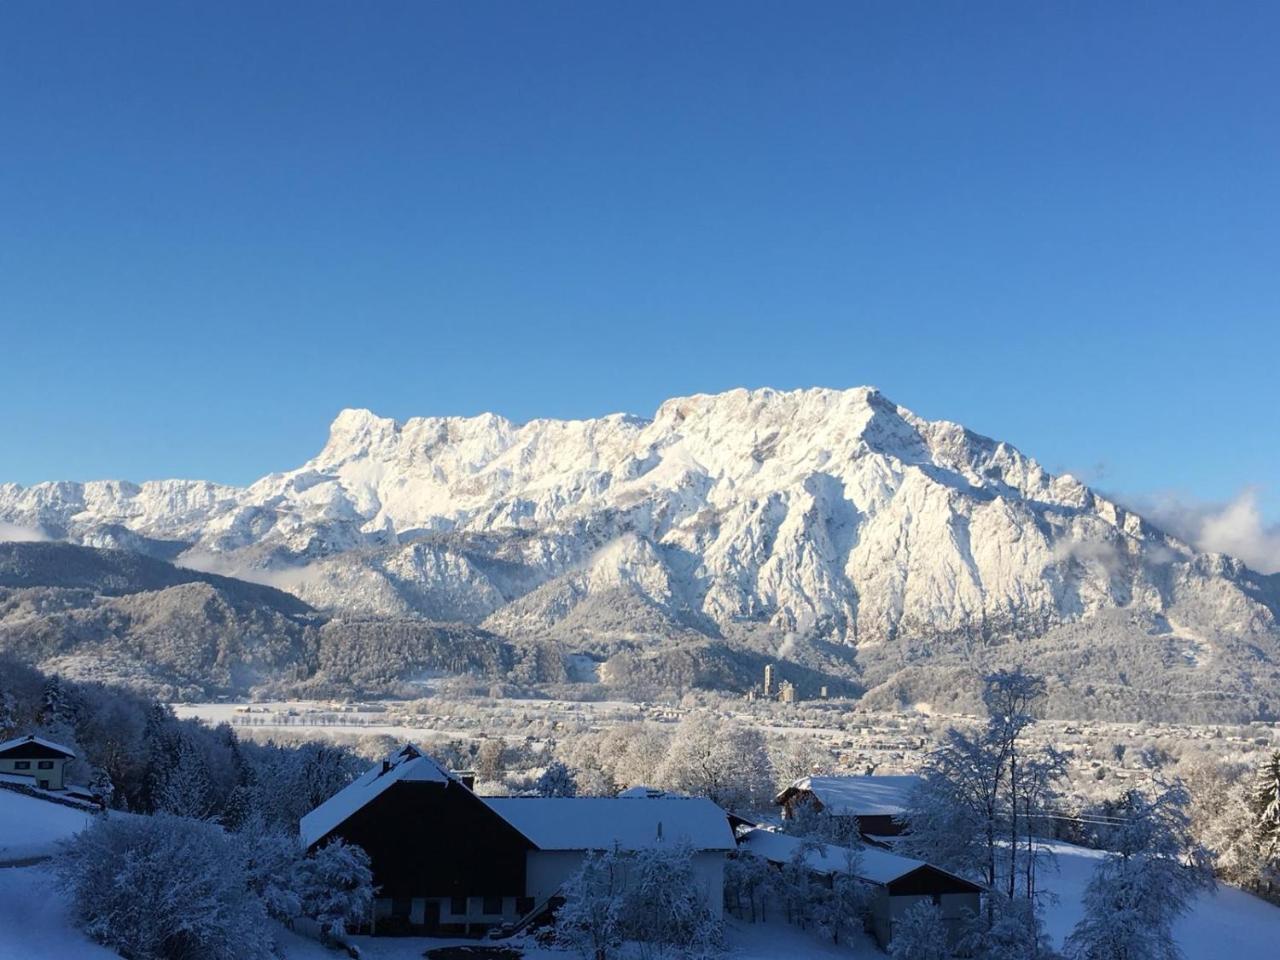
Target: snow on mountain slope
(823,513)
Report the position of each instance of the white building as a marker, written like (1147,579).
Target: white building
(35,762)
(565,829)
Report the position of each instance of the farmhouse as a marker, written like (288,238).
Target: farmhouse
(35,762)
(897,882)
(446,861)
(565,829)
(876,803)
(443,861)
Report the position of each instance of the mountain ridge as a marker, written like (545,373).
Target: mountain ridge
(835,520)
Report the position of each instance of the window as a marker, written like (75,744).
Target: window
(458,906)
(22,764)
(400,906)
(44,764)
(492,906)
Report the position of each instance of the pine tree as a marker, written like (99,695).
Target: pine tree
(186,791)
(1265,806)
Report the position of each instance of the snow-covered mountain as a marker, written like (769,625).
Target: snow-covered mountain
(830,517)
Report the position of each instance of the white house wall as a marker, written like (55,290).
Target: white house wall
(547,870)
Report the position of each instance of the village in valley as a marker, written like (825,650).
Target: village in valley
(713,826)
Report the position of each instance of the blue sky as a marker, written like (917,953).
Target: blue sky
(1056,223)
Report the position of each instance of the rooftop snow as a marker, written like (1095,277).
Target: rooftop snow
(32,738)
(407,764)
(870,863)
(629,823)
(861,796)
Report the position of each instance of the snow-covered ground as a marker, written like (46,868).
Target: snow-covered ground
(1228,923)
(34,924)
(32,828)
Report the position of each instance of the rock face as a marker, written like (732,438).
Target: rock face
(825,517)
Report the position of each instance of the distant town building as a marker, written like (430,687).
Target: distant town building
(768,679)
(787,692)
(35,762)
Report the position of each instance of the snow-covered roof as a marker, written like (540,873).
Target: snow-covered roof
(859,796)
(408,764)
(628,823)
(869,863)
(31,738)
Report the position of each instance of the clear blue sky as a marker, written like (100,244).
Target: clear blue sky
(1058,223)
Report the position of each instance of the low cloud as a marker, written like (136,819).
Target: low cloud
(14,532)
(1236,527)
(1089,551)
(290,580)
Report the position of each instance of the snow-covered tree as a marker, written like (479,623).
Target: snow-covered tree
(335,886)
(557,781)
(920,934)
(271,860)
(984,794)
(489,760)
(721,760)
(186,790)
(749,885)
(162,887)
(1155,871)
(8,715)
(794,757)
(663,905)
(589,921)
(1264,803)
(1016,932)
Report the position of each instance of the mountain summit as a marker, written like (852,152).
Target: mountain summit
(835,522)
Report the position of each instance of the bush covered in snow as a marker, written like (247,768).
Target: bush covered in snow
(163,888)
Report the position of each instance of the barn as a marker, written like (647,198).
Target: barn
(443,861)
(878,804)
(565,829)
(897,882)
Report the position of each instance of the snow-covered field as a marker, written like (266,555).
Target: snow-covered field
(32,828)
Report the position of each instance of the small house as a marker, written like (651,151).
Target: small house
(878,804)
(565,829)
(897,883)
(36,762)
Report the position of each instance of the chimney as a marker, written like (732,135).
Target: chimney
(659,831)
(465,777)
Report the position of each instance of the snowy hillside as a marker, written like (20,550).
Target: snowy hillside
(820,515)
(30,827)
